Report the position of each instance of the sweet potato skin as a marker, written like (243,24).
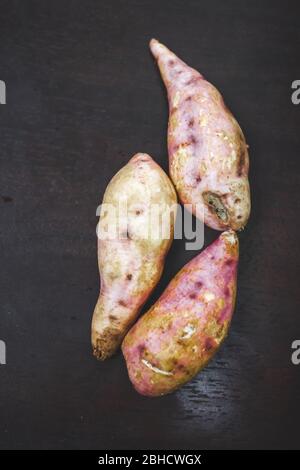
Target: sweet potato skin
(177,337)
(208,154)
(130,265)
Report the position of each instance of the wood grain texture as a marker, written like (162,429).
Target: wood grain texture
(83,95)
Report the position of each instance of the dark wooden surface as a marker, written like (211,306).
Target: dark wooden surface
(83,95)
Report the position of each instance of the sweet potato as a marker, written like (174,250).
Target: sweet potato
(208,155)
(177,337)
(131,261)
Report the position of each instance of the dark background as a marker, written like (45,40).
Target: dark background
(84,95)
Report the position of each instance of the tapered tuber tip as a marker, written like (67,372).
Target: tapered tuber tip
(98,354)
(231,241)
(105,348)
(106,342)
(156,47)
(140,157)
(152,42)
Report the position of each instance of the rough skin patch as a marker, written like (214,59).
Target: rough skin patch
(130,265)
(177,337)
(208,154)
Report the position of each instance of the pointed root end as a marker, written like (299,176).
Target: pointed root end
(155,47)
(106,343)
(140,157)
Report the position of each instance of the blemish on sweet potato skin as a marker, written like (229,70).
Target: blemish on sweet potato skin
(141,349)
(113,318)
(193,80)
(216,205)
(180,367)
(241,162)
(209,344)
(229,262)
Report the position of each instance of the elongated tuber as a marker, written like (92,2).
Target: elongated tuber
(131,259)
(208,155)
(177,337)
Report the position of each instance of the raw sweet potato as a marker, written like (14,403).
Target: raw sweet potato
(208,155)
(177,337)
(131,259)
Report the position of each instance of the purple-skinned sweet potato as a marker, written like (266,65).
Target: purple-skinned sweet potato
(131,259)
(208,154)
(181,332)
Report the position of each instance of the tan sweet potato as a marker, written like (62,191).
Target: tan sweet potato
(208,155)
(131,262)
(177,337)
